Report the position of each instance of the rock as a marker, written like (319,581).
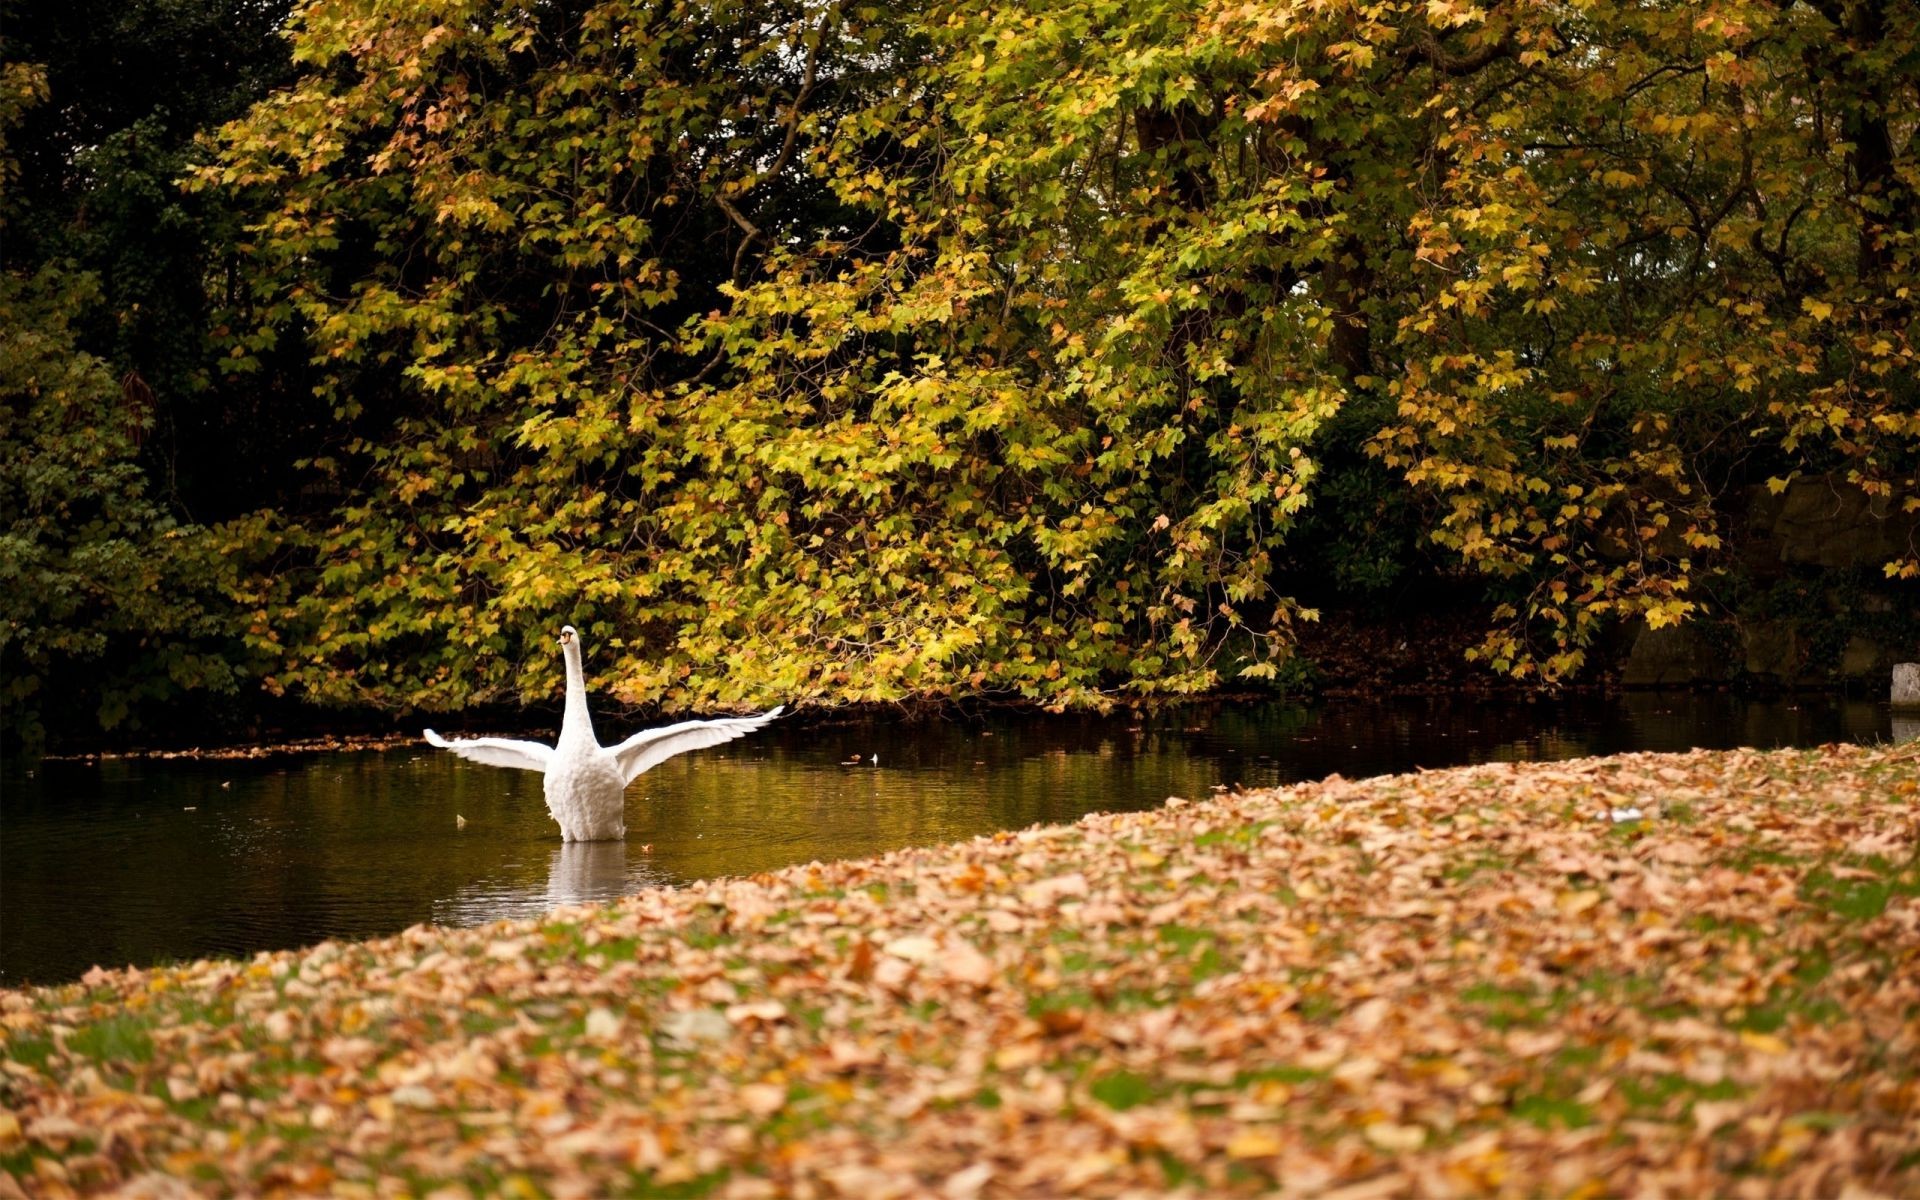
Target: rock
(1862,657)
(1906,685)
(1773,648)
(1906,729)
(1824,521)
(1673,656)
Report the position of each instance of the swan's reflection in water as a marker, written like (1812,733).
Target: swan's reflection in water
(586,873)
(577,873)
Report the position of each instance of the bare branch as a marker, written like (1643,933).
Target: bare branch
(787,146)
(1448,62)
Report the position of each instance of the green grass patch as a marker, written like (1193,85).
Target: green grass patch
(1824,1121)
(1655,1094)
(478,1024)
(1552,1112)
(1478,864)
(114,1040)
(813,1016)
(1212,1096)
(1124,999)
(1177,1173)
(808,1111)
(32,1051)
(925,1010)
(1750,856)
(1200,946)
(19,1163)
(1245,835)
(1122,1090)
(199,1109)
(1509,1007)
(1293,1076)
(1573,1057)
(1736,930)
(1860,899)
(1813,966)
(617,949)
(1782,1007)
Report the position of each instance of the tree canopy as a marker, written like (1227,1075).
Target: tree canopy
(1050,350)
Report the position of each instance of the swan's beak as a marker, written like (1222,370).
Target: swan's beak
(566,634)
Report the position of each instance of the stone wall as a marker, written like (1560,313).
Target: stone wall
(1807,603)
(1823,521)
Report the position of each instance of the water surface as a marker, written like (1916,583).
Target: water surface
(148,861)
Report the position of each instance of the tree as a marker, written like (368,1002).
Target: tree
(868,354)
(490,222)
(106,602)
(131,84)
(1649,275)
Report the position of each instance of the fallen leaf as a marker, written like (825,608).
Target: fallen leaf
(916,949)
(602,1024)
(1253,1143)
(967,1182)
(763,1099)
(1573,903)
(1395,1138)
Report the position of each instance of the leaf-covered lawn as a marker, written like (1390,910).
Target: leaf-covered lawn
(1456,983)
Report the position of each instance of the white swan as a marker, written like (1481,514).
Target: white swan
(586,782)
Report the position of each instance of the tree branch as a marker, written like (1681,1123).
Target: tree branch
(1448,62)
(780,160)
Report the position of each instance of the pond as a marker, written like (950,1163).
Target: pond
(149,861)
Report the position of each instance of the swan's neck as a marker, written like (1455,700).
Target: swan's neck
(576,723)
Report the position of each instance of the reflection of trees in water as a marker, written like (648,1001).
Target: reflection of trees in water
(1285,744)
(714,816)
(1399,735)
(797,798)
(1684,721)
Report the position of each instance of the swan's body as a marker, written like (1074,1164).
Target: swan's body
(586,783)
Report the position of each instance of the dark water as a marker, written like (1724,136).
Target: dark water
(143,862)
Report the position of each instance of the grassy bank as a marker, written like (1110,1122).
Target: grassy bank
(1460,982)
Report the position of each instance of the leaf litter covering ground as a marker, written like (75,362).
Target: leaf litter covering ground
(1464,982)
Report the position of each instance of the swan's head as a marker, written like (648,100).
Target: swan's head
(567,635)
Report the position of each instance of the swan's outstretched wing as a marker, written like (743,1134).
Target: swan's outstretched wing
(497,752)
(650,747)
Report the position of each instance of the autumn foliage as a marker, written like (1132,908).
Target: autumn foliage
(1460,983)
(862,353)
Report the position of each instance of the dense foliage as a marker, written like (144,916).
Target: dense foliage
(103,595)
(132,480)
(1053,350)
